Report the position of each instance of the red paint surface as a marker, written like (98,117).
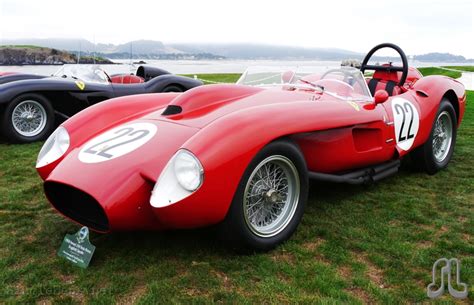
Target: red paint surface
(225,126)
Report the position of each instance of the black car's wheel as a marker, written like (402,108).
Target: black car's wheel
(270,199)
(436,153)
(173,88)
(28,118)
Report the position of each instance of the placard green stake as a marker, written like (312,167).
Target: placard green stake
(77,248)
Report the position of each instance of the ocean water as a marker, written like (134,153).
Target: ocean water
(205,66)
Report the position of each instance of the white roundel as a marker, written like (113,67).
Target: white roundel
(406,121)
(117,142)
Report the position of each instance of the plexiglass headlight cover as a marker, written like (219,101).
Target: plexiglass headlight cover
(182,176)
(188,170)
(54,148)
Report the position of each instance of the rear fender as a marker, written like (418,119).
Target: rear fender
(436,87)
(9,77)
(44,86)
(157,84)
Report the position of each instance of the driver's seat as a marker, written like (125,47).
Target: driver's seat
(388,81)
(383,80)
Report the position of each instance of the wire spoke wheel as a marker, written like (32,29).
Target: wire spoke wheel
(29,118)
(271,196)
(442,136)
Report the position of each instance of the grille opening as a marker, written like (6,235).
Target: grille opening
(77,205)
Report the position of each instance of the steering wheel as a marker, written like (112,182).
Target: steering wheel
(108,76)
(389,68)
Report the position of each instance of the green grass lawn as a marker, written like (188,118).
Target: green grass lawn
(355,244)
(461,68)
(220,78)
(434,70)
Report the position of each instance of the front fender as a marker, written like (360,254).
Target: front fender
(102,116)
(226,146)
(108,114)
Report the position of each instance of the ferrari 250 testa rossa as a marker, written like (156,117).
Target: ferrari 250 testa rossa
(241,155)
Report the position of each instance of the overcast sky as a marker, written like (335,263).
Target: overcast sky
(417,26)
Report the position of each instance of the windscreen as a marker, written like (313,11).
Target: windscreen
(344,83)
(86,73)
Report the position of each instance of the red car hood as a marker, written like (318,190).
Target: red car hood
(202,105)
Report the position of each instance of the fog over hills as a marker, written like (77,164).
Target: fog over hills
(159,50)
(259,51)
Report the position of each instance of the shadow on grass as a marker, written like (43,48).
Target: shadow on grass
(206,241)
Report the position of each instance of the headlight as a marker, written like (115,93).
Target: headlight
(54,147)
(188,170)
(182,176)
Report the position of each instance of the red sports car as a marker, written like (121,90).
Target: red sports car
(241,155)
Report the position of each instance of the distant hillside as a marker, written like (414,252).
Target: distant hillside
(33,55)
(152,49)
(83,45)
(442,57)
(149,49)
(59,44)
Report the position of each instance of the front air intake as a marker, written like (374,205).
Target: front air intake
(172,109)
(77,205)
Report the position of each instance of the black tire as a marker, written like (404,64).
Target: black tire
(173,88)
(424,157)
(235,230)
(44,130)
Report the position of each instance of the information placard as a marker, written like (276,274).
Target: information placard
(77,248)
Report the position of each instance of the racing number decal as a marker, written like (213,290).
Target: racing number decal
(406,121)
(117,142)
(406,111)
(122,134)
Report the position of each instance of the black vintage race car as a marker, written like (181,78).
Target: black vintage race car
(32,105)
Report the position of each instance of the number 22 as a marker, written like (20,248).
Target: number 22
(128,131)
(405,110)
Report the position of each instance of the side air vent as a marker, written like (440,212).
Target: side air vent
(172,109)
(77,205)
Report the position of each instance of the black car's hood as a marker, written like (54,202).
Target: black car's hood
(18,76)
(10,90)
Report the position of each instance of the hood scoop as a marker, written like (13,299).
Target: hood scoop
(206,98)
(172,109)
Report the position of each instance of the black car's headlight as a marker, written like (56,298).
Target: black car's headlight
(182,176)
(54,147)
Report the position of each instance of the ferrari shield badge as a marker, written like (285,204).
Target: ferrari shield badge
(80,85)
(77,248)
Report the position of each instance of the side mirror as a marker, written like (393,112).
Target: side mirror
(381,96)
(287,76)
